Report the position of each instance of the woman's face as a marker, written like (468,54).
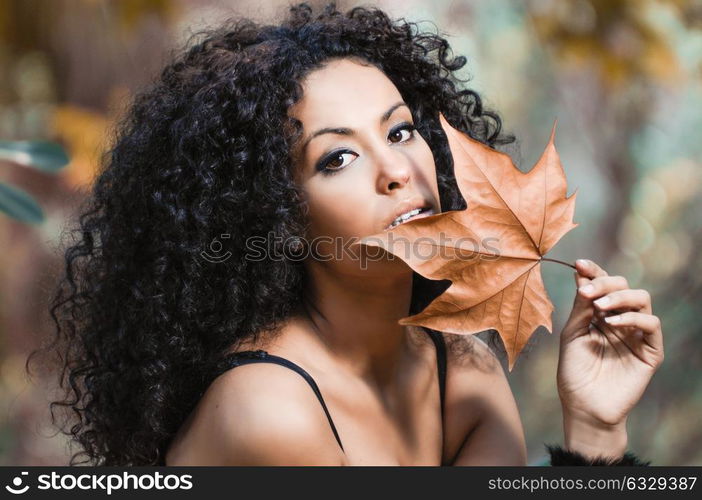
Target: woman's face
(373,166)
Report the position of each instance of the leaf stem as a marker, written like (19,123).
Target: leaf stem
(560,262)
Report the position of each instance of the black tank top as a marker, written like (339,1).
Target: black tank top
(235,359)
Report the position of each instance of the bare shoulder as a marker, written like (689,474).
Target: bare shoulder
(257,414)
(471,354)
(483,420)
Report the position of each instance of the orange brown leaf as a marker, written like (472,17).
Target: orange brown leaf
(491,251)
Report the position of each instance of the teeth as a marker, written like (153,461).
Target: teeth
(405,216)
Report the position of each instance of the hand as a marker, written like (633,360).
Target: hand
(605,366)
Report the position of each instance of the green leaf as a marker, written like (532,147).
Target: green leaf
(19,205)
(43,155)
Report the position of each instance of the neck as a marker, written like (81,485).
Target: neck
(356,320)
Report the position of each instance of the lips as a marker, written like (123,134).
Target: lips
(407,206)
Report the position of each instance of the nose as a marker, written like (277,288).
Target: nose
(394,172)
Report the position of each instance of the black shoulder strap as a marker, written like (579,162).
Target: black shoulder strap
(260,356)
(438,339)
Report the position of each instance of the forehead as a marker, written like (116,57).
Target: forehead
(344,87)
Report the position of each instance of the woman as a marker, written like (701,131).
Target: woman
(264,143)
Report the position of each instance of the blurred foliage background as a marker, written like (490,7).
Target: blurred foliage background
(624,79)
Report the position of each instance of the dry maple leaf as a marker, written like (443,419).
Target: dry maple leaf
(492,250)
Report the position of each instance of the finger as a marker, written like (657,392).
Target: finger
(583,308)
(581,302)
(596,288)
(580,280)
(603,285)
(648,323)
(589,269)
(637,300)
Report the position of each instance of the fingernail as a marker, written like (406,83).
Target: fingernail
(582,262)
(613,319)
(587,289)
(602,301)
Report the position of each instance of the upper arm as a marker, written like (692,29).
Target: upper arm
(483,397)
(261,414)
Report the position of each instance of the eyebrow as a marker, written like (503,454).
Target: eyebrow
(347,131)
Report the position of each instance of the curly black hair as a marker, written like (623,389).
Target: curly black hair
(205,150)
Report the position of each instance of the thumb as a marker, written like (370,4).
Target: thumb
(582,306)
(580,280)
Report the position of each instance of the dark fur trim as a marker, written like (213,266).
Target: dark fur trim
(562,456)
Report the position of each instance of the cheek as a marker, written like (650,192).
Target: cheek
(340,207)
(424,158)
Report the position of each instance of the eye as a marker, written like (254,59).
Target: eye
(404,127)
(333,162)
